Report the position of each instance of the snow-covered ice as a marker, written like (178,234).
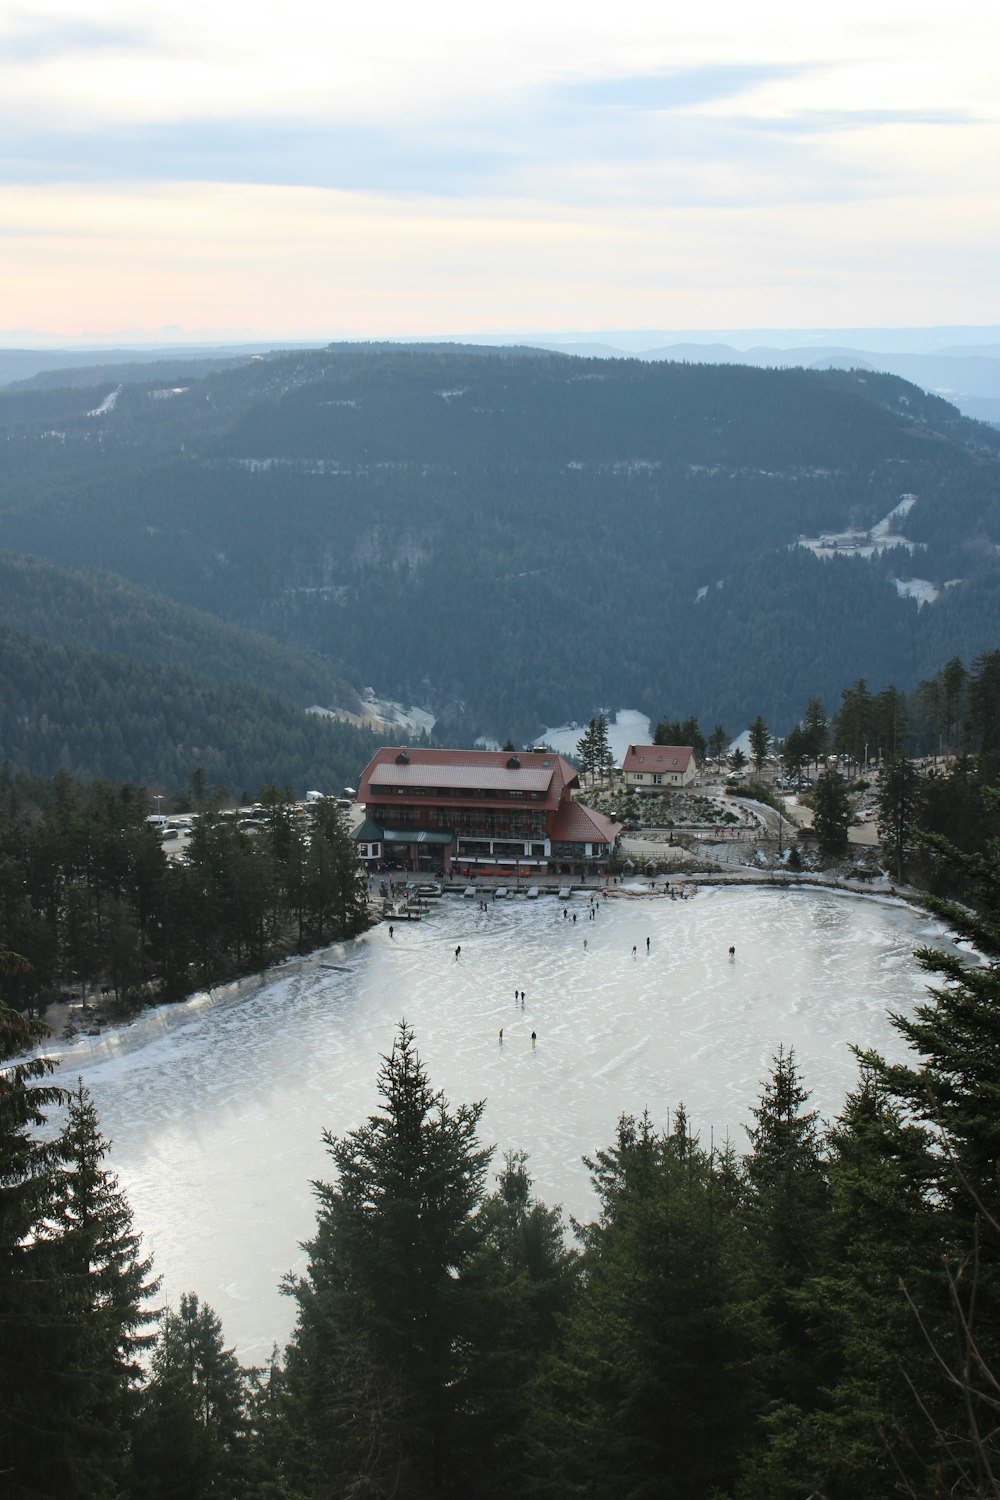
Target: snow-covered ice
(626,727)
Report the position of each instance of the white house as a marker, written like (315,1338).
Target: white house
(652,768)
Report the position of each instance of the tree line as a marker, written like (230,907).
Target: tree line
(817,1315)
(92,903)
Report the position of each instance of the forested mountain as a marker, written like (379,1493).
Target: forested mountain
(107,715)
(102,612)
(510,538)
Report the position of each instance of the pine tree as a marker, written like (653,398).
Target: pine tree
(192,1430)
(898,801)
(858,1427)
(954,681)
(786,1195)
(586,750)
(831,813)
(31,1318)
(816,728)
(718,740)
(103,1286)
(605,754)
(956,1034)
(653,1392)
(889,722)
(953,1090)
(377,1368)
(526,1279)
(760,743)
(854,730)
(335,878)
(795,752)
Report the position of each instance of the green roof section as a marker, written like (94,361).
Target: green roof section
(367,833)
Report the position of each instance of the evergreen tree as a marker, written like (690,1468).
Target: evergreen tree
(73,1289)
(785,1204)
(816,728)
(674,732)
(956,1034)
(983,708)
(192,1431)
(889,718)
(898,801)
(586,750)
(953,1089)
(831,813)
(654,1391)
(857,1429)
(378,1367)
(795,752)
(604,759)
(954,681)
(105,1284)
(31,1316)
(527,1280)
(717,743)
(335,876)
(854,730)
(760,743)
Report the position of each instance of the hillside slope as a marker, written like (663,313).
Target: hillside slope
(99,714)
(509,537)
(104,613)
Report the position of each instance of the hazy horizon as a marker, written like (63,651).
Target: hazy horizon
(926,337)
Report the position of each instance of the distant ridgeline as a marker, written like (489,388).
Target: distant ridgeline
(505,537)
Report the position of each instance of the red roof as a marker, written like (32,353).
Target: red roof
(661,759)
(575,823)
(469,771)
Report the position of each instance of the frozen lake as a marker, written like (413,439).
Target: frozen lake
(215,1107)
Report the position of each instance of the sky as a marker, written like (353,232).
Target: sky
(201,169)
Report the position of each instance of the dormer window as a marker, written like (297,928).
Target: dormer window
(514,764)
(402,759)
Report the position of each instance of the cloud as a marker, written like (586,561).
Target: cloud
(346,157)
(674,88)
(35,37)
(806,122)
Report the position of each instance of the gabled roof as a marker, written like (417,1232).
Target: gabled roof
(661,759)
(468,771)
(575,823)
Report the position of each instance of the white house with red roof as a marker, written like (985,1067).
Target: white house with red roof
(480,812)
(656,768)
